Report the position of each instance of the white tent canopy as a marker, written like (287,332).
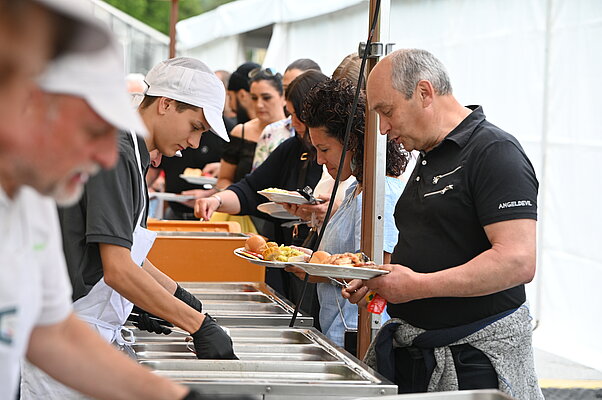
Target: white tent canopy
(535,67)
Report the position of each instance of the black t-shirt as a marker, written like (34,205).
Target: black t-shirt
(210,150)
(283,169)
(107,213)
(476,176)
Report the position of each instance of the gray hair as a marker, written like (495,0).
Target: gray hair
(410,66)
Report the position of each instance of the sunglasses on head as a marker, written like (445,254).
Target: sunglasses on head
(267,71)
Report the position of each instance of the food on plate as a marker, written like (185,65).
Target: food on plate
(346,259)
(257,248)
(256,244)
(276,190)
(193,172)
(282,253)
(320,257)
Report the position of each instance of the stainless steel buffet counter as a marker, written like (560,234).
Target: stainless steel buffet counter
(245,304)
(287,363)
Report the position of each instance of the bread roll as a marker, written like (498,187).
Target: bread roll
(319,257)
(256,244)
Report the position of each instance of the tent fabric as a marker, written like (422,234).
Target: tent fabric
(246,15)
(535,67)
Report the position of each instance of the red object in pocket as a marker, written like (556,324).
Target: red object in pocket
(376,303)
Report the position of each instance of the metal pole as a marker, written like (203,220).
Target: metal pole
(372,196)
(173,18)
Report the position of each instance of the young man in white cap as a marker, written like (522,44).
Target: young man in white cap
(65,132)
(104,235)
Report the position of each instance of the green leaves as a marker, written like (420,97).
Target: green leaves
(156,12)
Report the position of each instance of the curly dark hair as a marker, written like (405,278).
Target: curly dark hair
(328,105)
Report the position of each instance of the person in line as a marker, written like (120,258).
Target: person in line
(325,112)
(104,235)
(291,166)
(239,92)
(277,132)
(467,241)
(296,68)
(63,134)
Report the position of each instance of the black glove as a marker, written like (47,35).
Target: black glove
(188,298)
(212,342)
(148,322)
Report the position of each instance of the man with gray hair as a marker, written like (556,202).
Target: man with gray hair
(467,226)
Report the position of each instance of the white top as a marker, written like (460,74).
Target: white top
(34,285)
(271,137)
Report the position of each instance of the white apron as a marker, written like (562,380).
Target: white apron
(103,308)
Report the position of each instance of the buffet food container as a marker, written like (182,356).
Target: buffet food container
(287,363)
(245,304)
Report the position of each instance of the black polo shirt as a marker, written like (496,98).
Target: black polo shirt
(106,213)
(476,176)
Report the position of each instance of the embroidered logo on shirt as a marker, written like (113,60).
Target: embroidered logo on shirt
(39,246)
(518,203)
(8,320)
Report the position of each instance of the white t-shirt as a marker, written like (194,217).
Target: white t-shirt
(34,284)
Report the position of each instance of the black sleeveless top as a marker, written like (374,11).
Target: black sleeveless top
(240,151)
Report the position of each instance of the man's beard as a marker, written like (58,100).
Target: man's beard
(241,113)
(67,193)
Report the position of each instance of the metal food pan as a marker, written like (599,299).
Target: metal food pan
(287,363)
(485,394)
(201,234)
(249,344)
(245,304)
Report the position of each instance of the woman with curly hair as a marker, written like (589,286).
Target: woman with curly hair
(325,112)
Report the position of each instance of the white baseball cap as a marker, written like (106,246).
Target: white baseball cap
(99,78)
(192,82)
(90,33)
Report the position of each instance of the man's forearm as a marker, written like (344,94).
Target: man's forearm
(164,280)
(139,287)
(75,355)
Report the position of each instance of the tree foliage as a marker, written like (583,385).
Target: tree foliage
(156,12)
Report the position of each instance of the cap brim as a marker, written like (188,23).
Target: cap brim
(91,34)
(118,111)
(216,122)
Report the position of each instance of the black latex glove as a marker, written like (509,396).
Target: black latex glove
(188,298)
(212,342)
(148,322)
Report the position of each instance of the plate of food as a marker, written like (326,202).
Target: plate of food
(283,196)
(343,266)
(196,177)
(275,210)
(269,254)
(180,198)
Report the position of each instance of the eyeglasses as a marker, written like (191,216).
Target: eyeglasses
(267,71)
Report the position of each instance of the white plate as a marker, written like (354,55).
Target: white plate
(263,263)
(339,271)
(199,180)
(276,210)
(180,198)
(293,198)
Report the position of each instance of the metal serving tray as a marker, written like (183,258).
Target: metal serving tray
(288,363)
(245,304)
(201,234)
(486,394)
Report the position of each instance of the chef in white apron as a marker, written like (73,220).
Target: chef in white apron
(104,308)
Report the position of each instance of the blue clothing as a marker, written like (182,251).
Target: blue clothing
(343,234)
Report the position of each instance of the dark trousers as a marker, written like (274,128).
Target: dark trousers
(414,367)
